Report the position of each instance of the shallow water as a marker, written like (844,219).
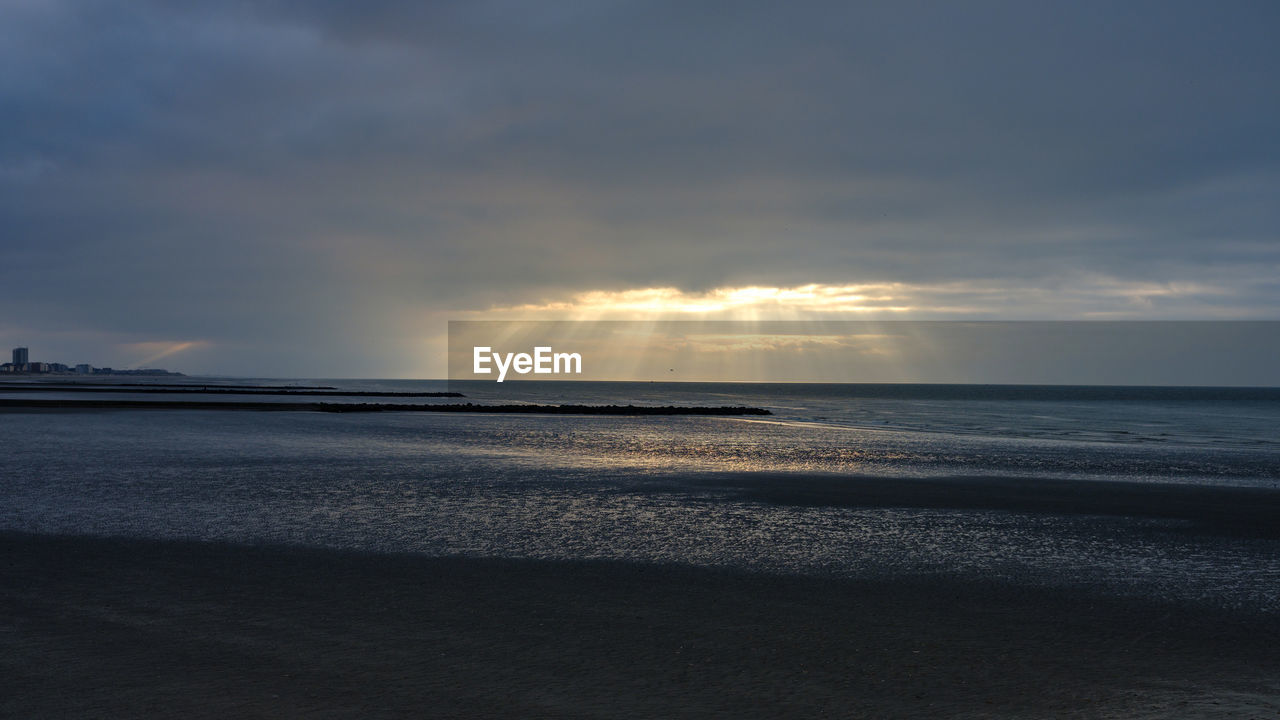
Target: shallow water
(661,488)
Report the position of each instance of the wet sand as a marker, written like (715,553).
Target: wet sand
(132,628)
(1248,512)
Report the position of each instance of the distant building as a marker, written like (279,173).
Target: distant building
(84,369)
(103,371)
(38,367)
(20,358)
(7,367)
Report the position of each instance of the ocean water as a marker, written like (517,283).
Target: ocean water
(775,494)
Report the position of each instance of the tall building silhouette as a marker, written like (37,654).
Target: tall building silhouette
(20,358)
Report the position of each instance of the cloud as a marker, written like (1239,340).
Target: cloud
(298,179)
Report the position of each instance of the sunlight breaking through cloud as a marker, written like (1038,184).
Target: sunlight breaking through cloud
(811,298)
(1080,298)
(155,351)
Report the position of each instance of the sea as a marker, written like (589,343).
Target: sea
(840,480)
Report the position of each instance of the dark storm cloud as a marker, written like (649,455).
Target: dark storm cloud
(295,178)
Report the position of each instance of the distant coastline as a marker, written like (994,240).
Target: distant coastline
(21,364)
(6,368)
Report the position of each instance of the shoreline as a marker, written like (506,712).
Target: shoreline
(111,626)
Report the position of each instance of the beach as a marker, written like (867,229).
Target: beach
(639,360)
(133,628)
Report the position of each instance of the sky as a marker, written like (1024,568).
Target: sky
(289,189)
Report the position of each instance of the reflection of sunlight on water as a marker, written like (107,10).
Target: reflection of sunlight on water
(720,444)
